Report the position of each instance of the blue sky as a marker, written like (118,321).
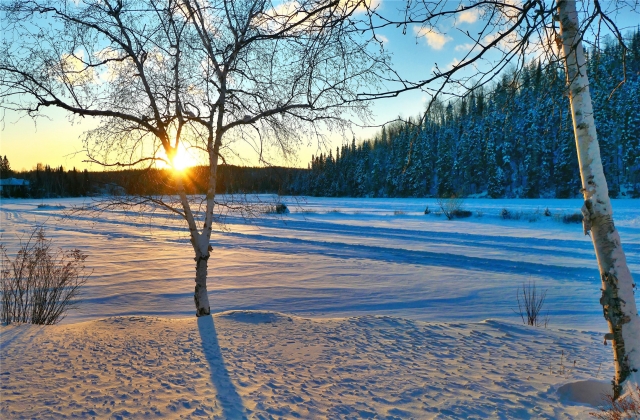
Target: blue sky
(56,141)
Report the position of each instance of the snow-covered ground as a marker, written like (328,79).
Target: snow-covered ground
(340,257)
(333,267)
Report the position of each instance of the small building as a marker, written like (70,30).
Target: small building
(13,186)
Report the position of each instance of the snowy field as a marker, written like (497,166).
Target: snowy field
(340,257)
(363,308)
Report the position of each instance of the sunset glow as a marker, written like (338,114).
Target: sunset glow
(183,159)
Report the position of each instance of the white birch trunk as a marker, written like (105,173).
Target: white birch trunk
(618,301)
(201,247)
(200,297)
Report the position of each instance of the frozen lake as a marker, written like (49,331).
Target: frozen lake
(334,257)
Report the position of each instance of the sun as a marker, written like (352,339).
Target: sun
(183,159)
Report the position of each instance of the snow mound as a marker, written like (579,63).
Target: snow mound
(590,392)
(254,317)
(50,207)
(256,364)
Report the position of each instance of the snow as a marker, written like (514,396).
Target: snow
(341,308)
(262,364)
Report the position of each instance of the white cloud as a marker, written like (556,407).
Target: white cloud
(435,39)
(361,7)
(464,47)
(508,41)
(290,12)
(489,39)
(382,38)
(73,70)
(468,16)
(452,64)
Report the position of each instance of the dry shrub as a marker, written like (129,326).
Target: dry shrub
(572,218)
(40,284)
(450,206)
(627,407)
(279,208)
(461,214)
(530,302)
(507,214)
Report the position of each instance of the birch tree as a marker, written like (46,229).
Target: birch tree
(164,76)
(618,300)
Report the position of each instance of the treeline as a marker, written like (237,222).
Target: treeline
(512,140)
(48,182)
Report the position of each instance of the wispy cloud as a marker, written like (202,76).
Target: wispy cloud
(367,5)
(290,12)
(382,38)
(436,40)
(464,47)
(452,64)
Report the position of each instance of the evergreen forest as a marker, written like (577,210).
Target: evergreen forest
(513,139)
(47,182)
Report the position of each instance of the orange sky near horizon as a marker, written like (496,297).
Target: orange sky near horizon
(51,141)
(56,141)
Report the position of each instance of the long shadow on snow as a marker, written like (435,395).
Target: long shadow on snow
(337,300)
(469,239)
(405,256)
(476,240)
(232,405)
(16,334)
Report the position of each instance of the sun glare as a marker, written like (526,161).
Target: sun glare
(183,159)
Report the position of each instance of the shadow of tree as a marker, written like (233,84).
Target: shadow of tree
(230,400)
(23,334)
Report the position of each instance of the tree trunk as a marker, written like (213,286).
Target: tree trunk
(200,296)
(202,249)
(618,301)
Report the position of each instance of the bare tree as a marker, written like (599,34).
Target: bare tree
(167,76)
(552,32)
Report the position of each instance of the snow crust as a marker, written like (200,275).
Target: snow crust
(320,315)
(262,365)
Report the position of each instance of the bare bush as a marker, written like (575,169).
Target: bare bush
(278,208)
(39,286)
(627,407)
(461,214)
(530,302)
(572,218)
(451,207)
